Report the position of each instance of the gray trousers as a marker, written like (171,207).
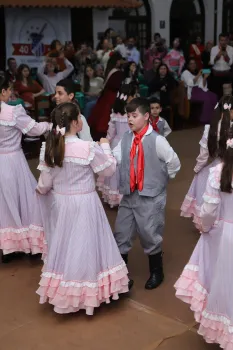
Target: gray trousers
(144,215)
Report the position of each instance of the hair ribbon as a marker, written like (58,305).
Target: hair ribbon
(62,131)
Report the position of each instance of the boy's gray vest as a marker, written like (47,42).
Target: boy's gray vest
(155,171)
(160,125)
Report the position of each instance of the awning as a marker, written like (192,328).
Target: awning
(72,3)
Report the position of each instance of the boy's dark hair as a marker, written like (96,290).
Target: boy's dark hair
(9,60)
(68,85)
(140,103)
(154,100)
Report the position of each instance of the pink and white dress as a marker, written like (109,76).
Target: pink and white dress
(109,186)
(21,227)
(206,282)
(83,267)
(191,205)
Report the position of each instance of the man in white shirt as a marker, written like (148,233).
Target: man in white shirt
(49,80)
(65,92)
(221,58)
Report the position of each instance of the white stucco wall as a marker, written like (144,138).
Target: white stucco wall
(160,11)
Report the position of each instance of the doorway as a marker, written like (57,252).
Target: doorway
(187,20)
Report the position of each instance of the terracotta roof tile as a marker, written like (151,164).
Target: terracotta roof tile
(71,3)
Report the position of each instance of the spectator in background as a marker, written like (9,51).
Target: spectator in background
(92,87)
(221,58)
(197,90)
(104,53)
(56,49)
(155,51)
(49,80)
(163,85)
(99,71)
(206,55)
(196,50)
(27,88)
(12,70)
(69,52)
(151,74)
(175,59)
(132,52)
(131,73)
(84,56)
(120,47)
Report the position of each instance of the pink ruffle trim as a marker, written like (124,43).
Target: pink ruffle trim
(72,296)
(27,240)
(214,328)
(190,209)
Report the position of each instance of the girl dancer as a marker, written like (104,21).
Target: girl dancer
(212,146)
(84,267)
(20,225)
(206,281)
(118,125)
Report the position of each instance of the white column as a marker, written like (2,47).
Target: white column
(100,23)
(160,11)
(219,18)
(209,20)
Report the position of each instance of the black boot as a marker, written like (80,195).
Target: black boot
(156,271)
(125,258)
(8,258)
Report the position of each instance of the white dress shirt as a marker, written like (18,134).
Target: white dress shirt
(85,133)
(164,152)
(187,77)
(49,83)
(221,64)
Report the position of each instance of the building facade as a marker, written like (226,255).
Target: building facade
(171,18)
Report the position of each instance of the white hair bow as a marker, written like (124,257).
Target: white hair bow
(227,106)
(62,131)
(123,97)
(230,143)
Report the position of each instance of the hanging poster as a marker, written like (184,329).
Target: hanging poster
(30,31)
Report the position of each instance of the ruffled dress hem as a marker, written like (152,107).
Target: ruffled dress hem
(215,328)
(72,296)
(190,209)
(26,239)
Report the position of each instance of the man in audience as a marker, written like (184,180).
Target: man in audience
(221,58)
(12,69)
(133,55)
(151,74)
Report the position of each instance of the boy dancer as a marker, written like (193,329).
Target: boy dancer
(146,163)
(65,92)
(158,123)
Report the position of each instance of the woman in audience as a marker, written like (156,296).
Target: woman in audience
(196,50)
(100,114)
(92,87)
(175,59)
(163,84)
(103,54)
(197,90)
(131,73)
(27,88)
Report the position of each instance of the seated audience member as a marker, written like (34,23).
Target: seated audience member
(155,51)
(195,51)
(221,58)
(162,85)
(175,59)
(56,51)
(12,70)
(50,79)
(120,47)
(151,74)
(92,87)
(26,87)
(197,90)
(206,55)
(65,92)
(131,73)
(133,55)
(103,54)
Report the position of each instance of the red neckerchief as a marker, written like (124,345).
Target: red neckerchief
(139,178)
(154,123)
